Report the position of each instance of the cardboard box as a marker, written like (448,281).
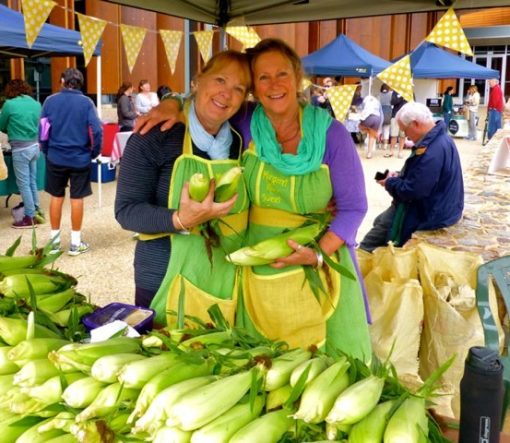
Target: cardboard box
(108,171)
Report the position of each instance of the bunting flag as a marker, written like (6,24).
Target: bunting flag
(132,36)
(35,13)
(91,29)
(172,43)
(340,98)
(398,77)
(204,42)
(247,36)
(448,32)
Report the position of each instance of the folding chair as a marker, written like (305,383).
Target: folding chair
(499,271)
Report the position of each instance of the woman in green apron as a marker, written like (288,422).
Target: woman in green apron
(298,159)
(152,199)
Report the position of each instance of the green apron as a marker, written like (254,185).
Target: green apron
(278,303)
(190,272)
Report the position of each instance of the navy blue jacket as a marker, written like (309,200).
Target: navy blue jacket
(430,184)
(75,133)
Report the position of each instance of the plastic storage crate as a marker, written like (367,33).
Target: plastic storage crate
(136,317)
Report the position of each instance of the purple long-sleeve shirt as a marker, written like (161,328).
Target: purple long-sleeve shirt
(346,175)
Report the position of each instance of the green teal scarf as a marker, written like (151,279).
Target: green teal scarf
(310,152)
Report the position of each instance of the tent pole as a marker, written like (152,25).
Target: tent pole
(370,85)
(98,87)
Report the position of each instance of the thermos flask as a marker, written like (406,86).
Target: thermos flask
(481,397)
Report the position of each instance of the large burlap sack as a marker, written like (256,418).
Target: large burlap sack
(396,305)
(451,322)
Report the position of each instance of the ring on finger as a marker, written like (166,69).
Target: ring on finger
(299,247)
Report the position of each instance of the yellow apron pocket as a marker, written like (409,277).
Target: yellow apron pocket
(197,302)
(283,307)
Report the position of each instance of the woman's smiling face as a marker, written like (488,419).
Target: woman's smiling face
(219,96)
(275,83)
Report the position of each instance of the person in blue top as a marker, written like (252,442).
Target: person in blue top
(70,136)
(19,119)
(447,106)
(429,191)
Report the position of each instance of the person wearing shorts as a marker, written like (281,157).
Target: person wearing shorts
(397,101)
(71,136)
(371,121)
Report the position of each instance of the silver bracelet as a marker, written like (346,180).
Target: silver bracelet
(320,260)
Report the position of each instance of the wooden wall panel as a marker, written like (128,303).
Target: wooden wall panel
(164,75)
(486,17)
(111,50)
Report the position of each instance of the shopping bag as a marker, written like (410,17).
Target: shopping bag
(451,321)
(399,263)
(397,316)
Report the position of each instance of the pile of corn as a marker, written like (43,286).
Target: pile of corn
(27,285)
(202,385)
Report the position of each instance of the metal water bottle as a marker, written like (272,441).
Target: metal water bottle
(481,397)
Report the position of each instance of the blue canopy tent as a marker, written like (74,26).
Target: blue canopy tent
(430,61)
(343,57)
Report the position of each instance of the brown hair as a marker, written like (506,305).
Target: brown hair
(123,88)
(141,83)
(17,87)
(277,45)
(221,59)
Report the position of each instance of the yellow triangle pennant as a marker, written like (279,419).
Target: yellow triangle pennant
(172,43)
(340,98)
(204,42)
(448,32)
(247,36)
(35,13)
(398,77)
(133,37)
(91,29)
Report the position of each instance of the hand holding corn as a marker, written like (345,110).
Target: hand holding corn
(192,213)
(301,255)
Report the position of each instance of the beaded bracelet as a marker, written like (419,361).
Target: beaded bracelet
(320,260)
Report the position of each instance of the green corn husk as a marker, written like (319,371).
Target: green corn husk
(356,402)
(136,374)
(180,371)
(159,409)
(371,428)
(35,372)
(276,398)
(281,368)
(270,426)
(226,425)
(107,401)
(14,330)
(317,365)
(6,383)
(107,368)
(320,394)
(172,434)
(51,390)
(54,302)
(6,365)
(212,338)
(12,428)
(61,318)
(198,187)
(24,405)
(88,432)
(34,435)
(226,186)
(201,406)
(82,393)
(409,423)
(269,250)
(83,356)
(62,421)
(35,348)
(8,263)
(64,438)
(336,432)
(16,285)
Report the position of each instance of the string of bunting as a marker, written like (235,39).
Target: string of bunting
(36,13)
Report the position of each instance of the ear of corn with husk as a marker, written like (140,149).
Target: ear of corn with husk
(225,426)
(267,251)
(8,263)
(270,426)
(409,423)
(14,330)
(371,428)
(16,285)
(35,372)
(227,184)
(6,365)
(35,348)
(281,368)
(137,373)
(320,394)
(317,365)
(107,368)
(198,187)
(356,401)
(82,393)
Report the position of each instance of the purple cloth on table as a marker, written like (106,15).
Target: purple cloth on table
(347,179)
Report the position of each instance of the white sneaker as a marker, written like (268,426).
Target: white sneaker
(78,249)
